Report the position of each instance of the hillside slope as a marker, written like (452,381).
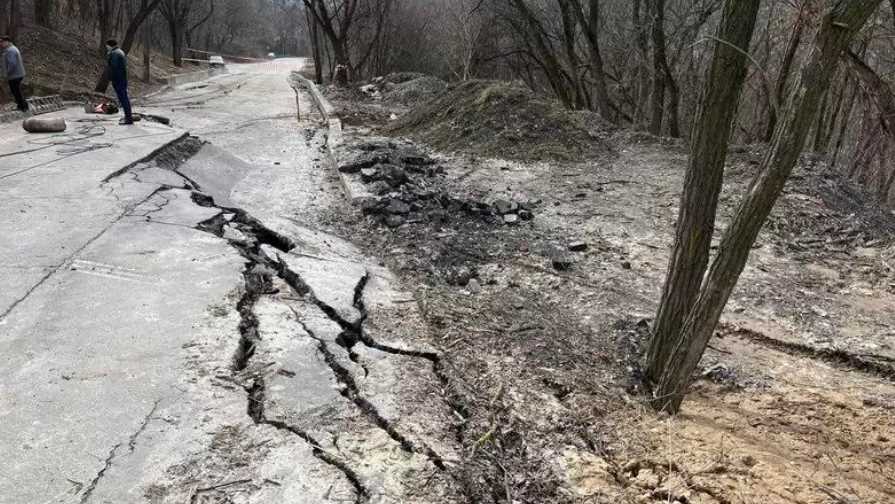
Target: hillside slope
(69,64)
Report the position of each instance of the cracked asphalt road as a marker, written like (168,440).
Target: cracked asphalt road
(177,329)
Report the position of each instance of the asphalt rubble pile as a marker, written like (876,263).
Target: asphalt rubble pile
(409,187)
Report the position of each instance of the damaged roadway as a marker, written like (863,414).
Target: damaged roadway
(177,330)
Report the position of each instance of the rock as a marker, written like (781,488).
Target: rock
(820,312)
(394,221)
(369,174)
(397,207)
(526,215)
(511,219)
(417,160)
(461,276)
(474,286)
(366,162)
(438,216)
(233,234)
(626,265)
(561,261)
(578,246)
(371,206)
(420,193)
(394,175)
(503,207)
(380,187)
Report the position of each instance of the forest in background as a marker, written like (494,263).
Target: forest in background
(639,63)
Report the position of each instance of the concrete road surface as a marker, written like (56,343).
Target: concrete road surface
(174,324)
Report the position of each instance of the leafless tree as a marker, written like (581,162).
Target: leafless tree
(841,21)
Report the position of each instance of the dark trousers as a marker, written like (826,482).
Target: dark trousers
(15,85)
(121,91)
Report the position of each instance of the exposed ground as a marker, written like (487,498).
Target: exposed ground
(795,398)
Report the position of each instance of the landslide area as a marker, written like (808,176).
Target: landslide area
(541,323)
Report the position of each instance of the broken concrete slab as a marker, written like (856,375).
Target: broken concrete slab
(332,282)
(174,207)
(217,172)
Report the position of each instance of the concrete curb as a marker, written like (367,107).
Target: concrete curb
(354,189)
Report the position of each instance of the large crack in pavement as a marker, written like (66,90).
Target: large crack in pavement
(258,275)
(259,269)
(113,453)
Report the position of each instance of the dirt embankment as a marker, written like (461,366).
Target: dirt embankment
(505,120)
(70,64)
(794,398)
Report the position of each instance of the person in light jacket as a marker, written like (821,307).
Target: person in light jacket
(15,71)
(117,71)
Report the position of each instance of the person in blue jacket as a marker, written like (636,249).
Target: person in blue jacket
(15,71)
(117,72)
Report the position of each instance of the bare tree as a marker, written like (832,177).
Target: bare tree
(130,36)
(702,183)
(842,19)
(42,11)
(336,18)
(660,64)
(590,24)
(179,15)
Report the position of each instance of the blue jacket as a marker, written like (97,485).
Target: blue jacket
(117,65)
(12,60)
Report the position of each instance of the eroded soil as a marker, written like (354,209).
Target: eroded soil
(794,398)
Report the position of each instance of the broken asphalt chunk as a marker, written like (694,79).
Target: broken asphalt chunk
(394,221)
(368,174)
(561,261)
(396,206)
(504,207)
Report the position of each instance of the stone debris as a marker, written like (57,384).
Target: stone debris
(408,186)
(561,260)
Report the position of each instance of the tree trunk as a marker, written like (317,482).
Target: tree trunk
(591,27)
(657,31)
(129,37)
(315,46)
(569,29)
(177,29)
(844,123)
(702,182)
(841,21)
(4,16)
(674,104)
(643,80)
(785,69)
(42,11)
(147,49)
(15,18)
